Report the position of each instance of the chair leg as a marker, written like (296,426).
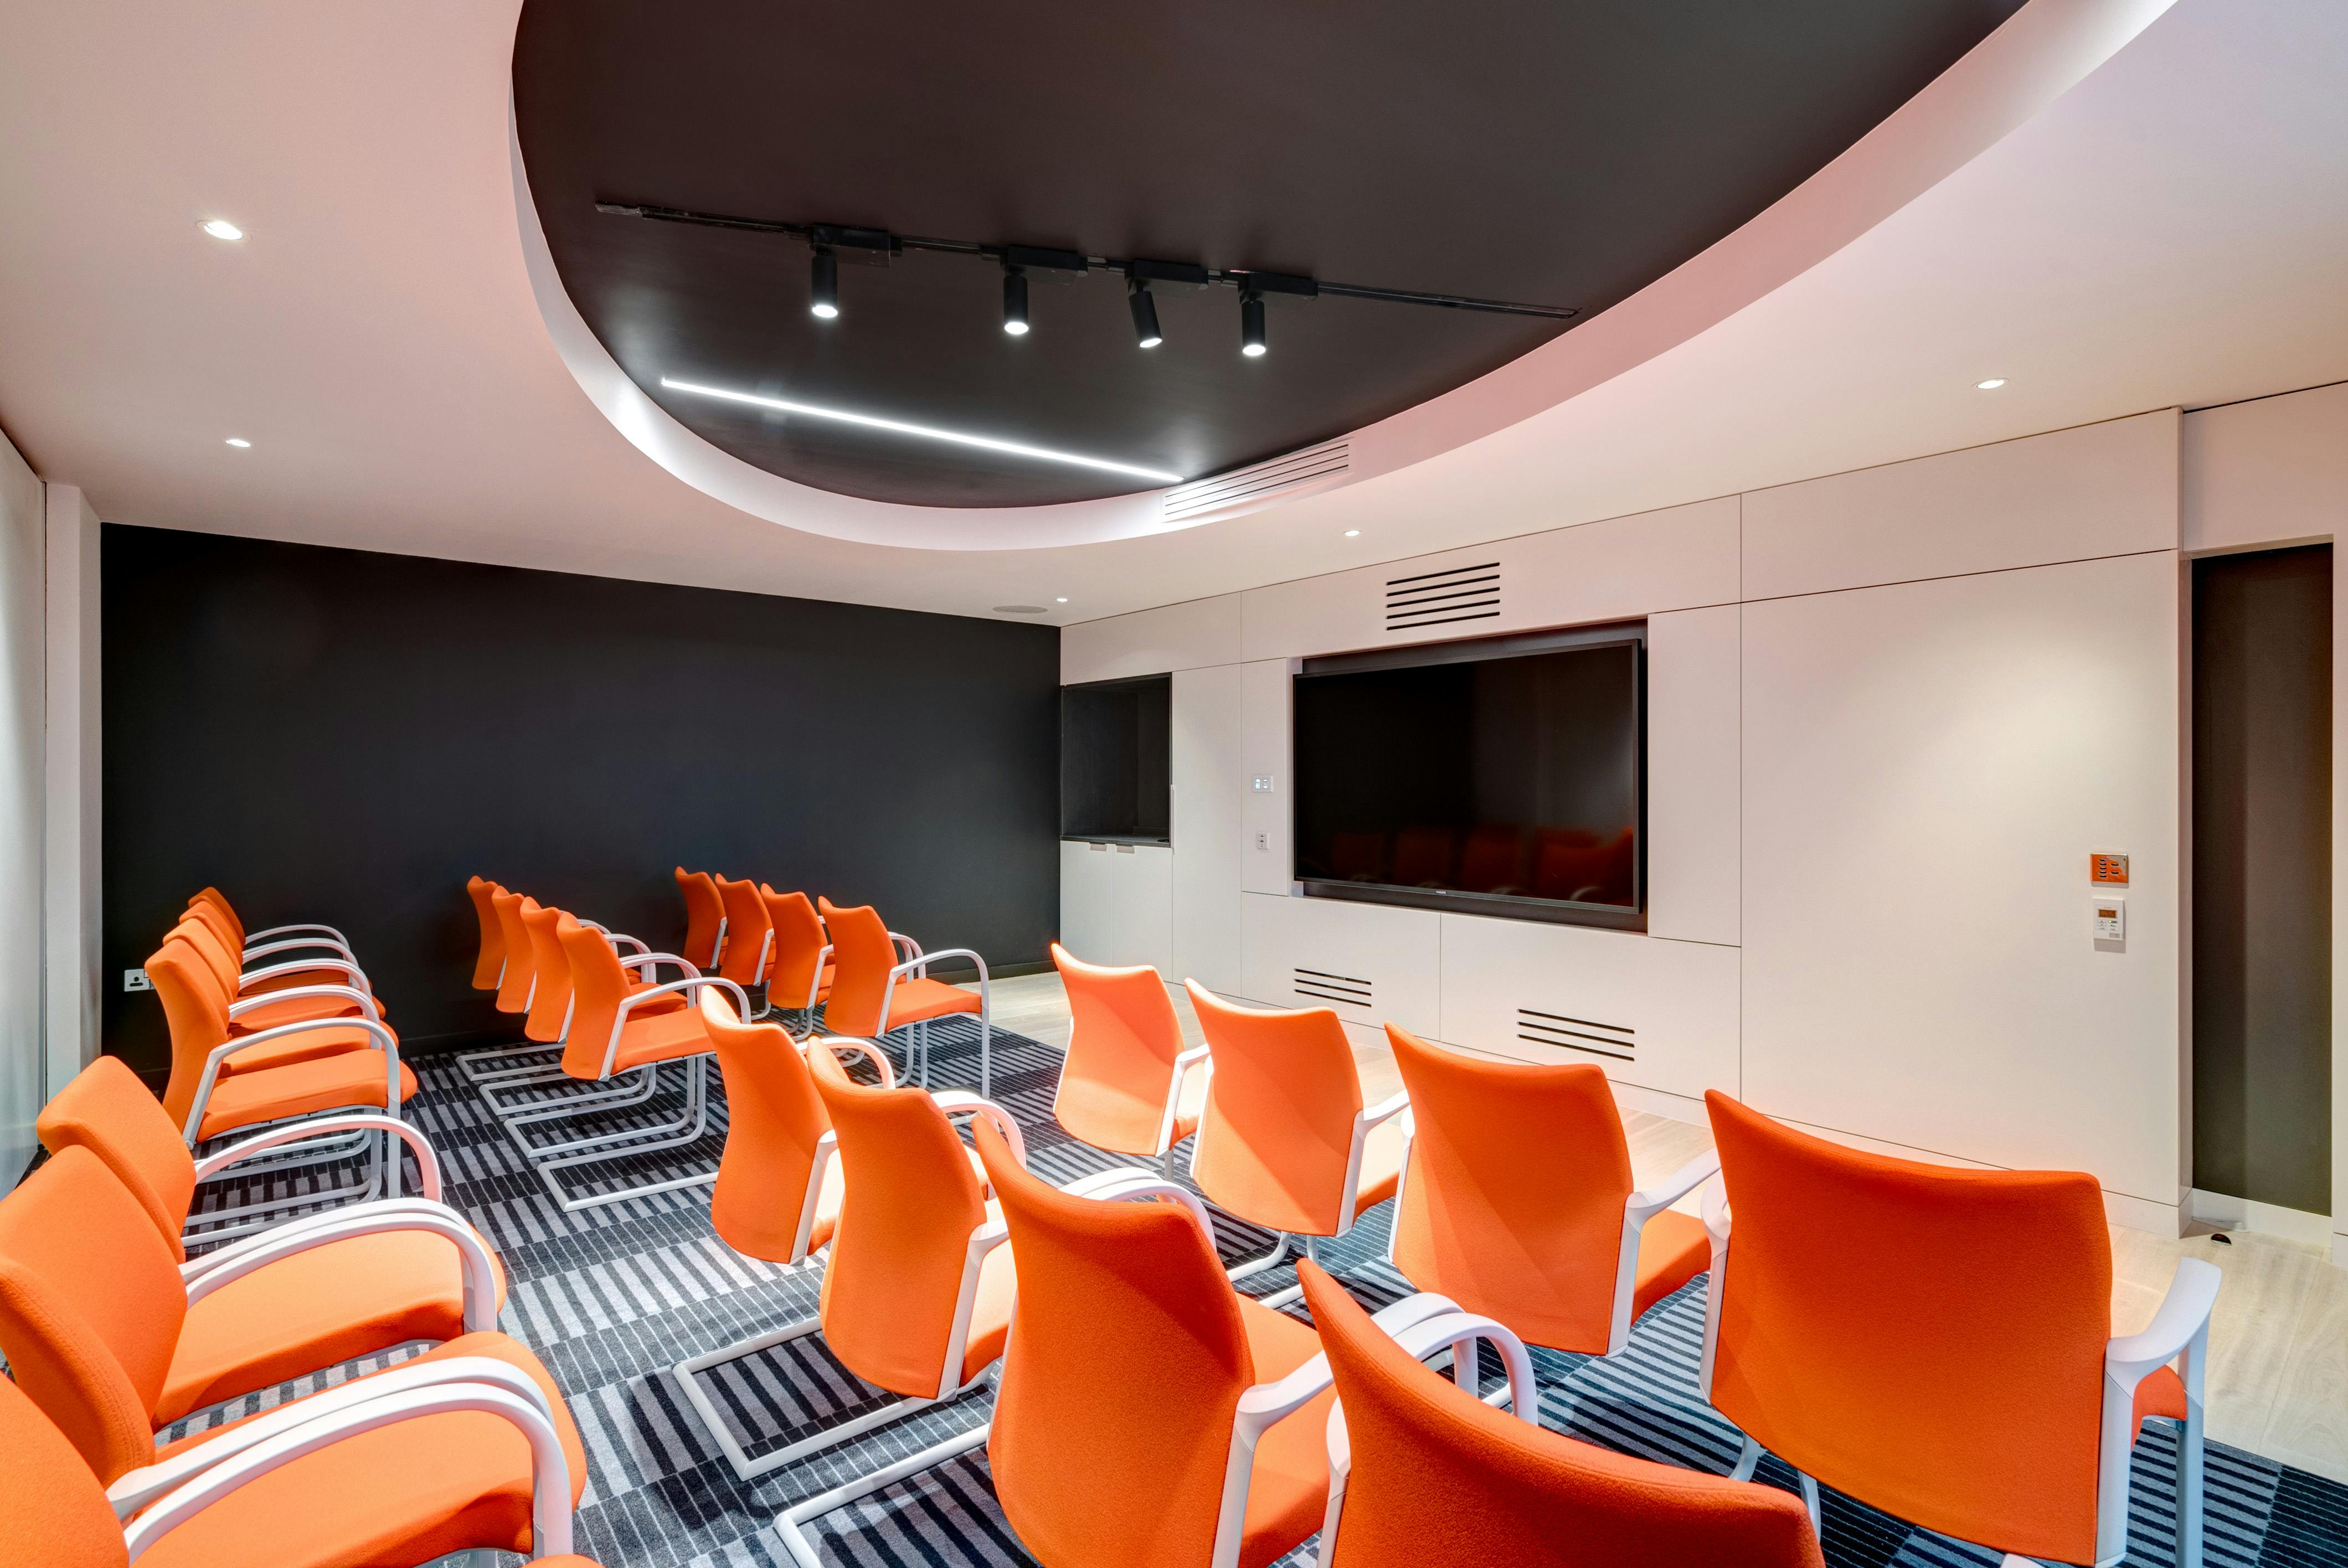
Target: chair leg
(2189,1502)
(604,1095)
(688,1129)
(1749,1459)
(471,1063)
(1810,1499)
(789,1526)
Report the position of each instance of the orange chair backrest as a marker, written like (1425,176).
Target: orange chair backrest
(218,901)
(1927,1339)
(106,1109)
(862,955)
(1279,1122)
(514,990)
(703,910)
(204,912)
(1123,1039)
(910,1203)
(746,926)
(1126,1348)
(598,986)
(774,1118)
(493,936)
(207,944)
(798,942)
(550,968)
(1512,1203)
(90,1308)
(1441,1479)
(56,1513)
(195,1013)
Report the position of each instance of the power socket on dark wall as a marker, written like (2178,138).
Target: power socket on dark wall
(339,735)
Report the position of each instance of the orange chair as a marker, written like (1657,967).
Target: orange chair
(212,903)
(489,968)
(1936,1342)
(705,918)
(106,1109)
(749,936)
(503,968)
(1127,1083)
(620,1034)
(1423,1474)
(779,1188)
(115,1343)
(268,990)
(917,1297)
(874,994)
(800,975)
(1517,1203)
(1148,1414)
(253,1505)
(546,1015)
(1285,1141)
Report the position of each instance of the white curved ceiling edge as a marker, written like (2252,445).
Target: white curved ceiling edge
(2040,53)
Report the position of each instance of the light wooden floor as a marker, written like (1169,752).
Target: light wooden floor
(2278,1344)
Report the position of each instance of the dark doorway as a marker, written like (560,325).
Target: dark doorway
(2262,876)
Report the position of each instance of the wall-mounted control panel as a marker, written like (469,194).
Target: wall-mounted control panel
(1261,784)
(136,980)
(2111,919)
(2105,869)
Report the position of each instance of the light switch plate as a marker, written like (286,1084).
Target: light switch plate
(136,980)
(1261,784)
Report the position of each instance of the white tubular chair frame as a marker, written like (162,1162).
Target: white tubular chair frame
(917,966)
(533,1074)
(984,1239)
(1428,1332)
(349,1127)
(2179,1335)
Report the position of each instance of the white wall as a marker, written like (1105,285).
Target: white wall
(21,698)
(1890,714)
(71,956)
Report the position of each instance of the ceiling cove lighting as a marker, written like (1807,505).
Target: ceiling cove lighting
(1352,533)
(1059,601)
(1015,302)
(823,285)
(238,441)
(221,228)
(1991,384)
(927,433)
(1145,315)
(1252,325)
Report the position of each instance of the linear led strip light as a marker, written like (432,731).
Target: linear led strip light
(926,432)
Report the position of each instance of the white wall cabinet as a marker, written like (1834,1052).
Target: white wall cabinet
(1117,903)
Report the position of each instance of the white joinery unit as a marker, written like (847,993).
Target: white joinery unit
(1660,1015)
(1209,825)
(1889,715)
(1117,903)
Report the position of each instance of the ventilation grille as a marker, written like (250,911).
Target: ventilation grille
(1257,485)
(1320,986)
(1440,598)
(1581,1034)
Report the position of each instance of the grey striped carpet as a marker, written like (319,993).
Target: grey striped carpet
(612,1297)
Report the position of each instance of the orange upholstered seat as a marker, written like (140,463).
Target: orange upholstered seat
(1285,1141)
(1936,1342)
(1130,1349)
(1517,1200)
(1127,1083)
(353,1077)
(1431,1477)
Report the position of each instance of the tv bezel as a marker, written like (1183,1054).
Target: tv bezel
(1476,650)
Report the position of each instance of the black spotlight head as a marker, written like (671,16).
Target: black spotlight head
(1015,302)
(1252,325)
(1145,315)
(823,291)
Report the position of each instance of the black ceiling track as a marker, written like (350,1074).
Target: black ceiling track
(874,247)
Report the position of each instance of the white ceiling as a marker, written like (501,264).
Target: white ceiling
(2173,229)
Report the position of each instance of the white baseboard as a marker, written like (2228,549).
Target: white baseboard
(2230,1212)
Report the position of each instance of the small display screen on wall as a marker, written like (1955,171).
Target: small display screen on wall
(1481,774)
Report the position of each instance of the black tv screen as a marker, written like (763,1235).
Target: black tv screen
(1502,777)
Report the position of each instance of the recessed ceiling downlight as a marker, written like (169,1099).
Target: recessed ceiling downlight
(238,441)
(221,228)
(1018,610)
(927,433)
(1991,384)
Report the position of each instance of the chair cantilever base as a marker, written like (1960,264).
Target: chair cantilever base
(469,1062)
(750,1468)
(790,1525)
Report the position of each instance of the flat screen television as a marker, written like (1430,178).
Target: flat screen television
(1503,776)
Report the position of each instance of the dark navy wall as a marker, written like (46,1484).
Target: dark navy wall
(341,736)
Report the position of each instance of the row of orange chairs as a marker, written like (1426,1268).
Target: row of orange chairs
(2003,1412)
(113,1333)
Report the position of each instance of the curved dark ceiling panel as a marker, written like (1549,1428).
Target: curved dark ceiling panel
(1558,152)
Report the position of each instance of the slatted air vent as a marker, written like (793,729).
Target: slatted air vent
(1441,598)
(1615,1039)
(1259,484)
(1320,986)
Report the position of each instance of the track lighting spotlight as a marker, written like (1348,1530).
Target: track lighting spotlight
(1145,315)
(1015,302)
(823,297)
(1252,323)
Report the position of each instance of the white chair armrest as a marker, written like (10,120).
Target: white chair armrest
(254,1003)
(1265,1403)
(1133,1185)
(386,1041)
(867,1050)
(650,962)
(251,938)
(428,1162)
(963,1102)
(1386,1109)
(195,1269)
(1649,1201)
(2182,1317)
(550,1468)
(481,1280)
